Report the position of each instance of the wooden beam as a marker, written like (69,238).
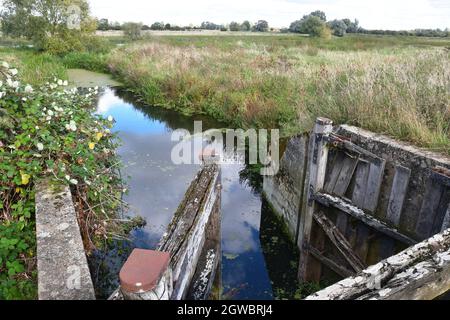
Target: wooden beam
(318,158)
(419,272)
(349,208)
(346,144)
(339,241)
(340,270)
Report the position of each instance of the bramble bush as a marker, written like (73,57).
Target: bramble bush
(51,131)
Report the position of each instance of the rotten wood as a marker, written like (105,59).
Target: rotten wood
(347,207)
(361,245)
(374,181)
(346,174)
(339,241)
(330,263)
(419,272)
(398,194)
(317,170)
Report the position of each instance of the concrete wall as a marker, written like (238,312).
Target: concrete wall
(284,190)
(63,272)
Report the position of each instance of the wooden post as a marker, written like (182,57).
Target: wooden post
(309,269)
(146,276)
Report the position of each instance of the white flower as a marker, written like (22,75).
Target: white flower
(67,177)
(12,84)
(50,113)
(65,83)
(13,71)
(74,181)
(40,146)
(5,64)
(2,94)
(72,126)
(60,82)
(53,86)
(1,83)
(28,88)
(110,119)
(24,99)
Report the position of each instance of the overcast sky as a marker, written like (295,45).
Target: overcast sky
(372,14)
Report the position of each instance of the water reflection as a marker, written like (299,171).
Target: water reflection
(156,186)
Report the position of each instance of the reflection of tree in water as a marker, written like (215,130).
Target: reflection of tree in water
(105,266)
(280,253)
(250,175)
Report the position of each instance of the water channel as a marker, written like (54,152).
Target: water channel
(258,260)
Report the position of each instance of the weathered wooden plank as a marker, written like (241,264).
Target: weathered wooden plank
(358,198)
(333,265)
(345,206)
(395,276)
(336,168)
(374,181)
(398,194)
(346,174)
(428,209)
(339,241)
(423,281)
(441,212)
(186,236)
(317,169)
(344,143)
(361,176)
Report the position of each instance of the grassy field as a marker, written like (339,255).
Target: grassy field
(393,85)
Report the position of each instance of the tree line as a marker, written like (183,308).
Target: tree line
(314,24)
(259,26)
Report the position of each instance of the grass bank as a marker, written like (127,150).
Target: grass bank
(393,85)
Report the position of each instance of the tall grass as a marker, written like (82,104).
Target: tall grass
(36,68)
(403,92)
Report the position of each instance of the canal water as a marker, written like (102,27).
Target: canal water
(258,260)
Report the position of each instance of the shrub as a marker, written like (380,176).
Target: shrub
(50,131)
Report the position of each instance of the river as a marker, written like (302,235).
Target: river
(258,260)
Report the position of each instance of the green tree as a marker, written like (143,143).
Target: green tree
(339,27)
(132,30)
(157,26)
(314,26)
(54,25)
(261,26)
(103,24)
(319,14)
(234,26)
(246,26)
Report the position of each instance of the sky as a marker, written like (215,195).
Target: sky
(372,14)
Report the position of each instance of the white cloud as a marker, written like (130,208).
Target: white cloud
(372,14)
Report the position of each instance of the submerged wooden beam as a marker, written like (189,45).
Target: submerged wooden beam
(419,272)
(339,241)
(349,208)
